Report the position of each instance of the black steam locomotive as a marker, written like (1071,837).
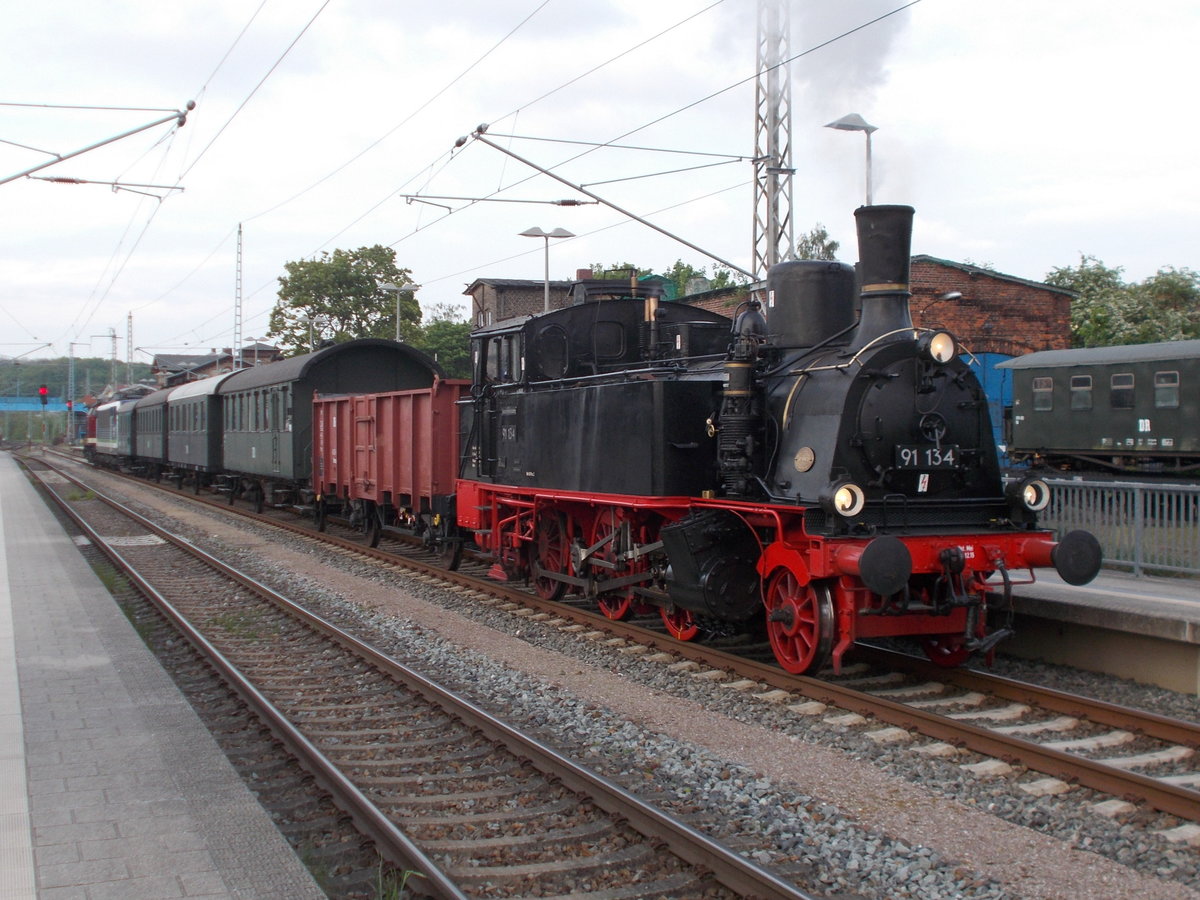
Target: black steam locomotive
(816,465)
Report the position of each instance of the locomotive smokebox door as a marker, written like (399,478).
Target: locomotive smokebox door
(713,555)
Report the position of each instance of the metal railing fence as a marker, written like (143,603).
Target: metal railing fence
(1143,527)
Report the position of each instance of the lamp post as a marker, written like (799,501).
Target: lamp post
(855,122)
(546,235)
(398,289)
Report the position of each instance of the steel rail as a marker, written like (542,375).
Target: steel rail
(1174,799)
(727,867)
(1150,724)
(393,844)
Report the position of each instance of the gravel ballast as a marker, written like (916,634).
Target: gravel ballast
(860,819)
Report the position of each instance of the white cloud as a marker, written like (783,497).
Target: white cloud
(1024,133)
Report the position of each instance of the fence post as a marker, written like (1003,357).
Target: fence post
(1138,530)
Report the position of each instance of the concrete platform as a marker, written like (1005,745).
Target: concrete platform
(1146,629)
(110,786)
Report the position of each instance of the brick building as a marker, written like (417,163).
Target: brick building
(995,313)
(496,299)
(992,314)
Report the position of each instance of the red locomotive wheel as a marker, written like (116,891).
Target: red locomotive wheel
(614,604)
(799,622)
(680,623)
(949,651)
(553,554)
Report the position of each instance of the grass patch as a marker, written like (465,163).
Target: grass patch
(390,884)
(244,624)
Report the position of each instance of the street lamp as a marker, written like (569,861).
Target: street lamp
(855,122)
(398,289)
(546,235)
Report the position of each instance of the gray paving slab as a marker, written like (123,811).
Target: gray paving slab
(1168,608)
(110,786)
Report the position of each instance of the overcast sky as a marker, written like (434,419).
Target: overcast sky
(1024,132)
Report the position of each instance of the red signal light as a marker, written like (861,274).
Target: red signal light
(44,393)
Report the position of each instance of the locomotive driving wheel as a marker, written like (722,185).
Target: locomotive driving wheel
(948,651)
(607,530)
(799,621)
(552,554)
(680,623)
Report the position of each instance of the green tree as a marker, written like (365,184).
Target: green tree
(338,297)
(1176,294)
(599,270)
(681,273)
(446,336)
(816,244)
(1108,311)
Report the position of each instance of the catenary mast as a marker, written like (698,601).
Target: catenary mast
(773,171)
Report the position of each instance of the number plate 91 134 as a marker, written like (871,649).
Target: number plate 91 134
(913,456)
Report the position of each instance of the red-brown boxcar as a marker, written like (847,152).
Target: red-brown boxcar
(389,461)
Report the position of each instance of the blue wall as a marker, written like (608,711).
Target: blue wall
(32,404)
(997,384)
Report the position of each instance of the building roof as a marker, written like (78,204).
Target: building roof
(184,362)
(517,283)
(980,270)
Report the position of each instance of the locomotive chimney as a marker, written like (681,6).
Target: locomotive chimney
(884,248)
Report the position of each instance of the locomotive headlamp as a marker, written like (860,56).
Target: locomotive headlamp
(937,346)
(844,498)
(1032,493)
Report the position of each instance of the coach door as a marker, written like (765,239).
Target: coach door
(271,422)
(366,473)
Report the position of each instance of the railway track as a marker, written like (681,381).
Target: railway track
(1064,740)
(486,810)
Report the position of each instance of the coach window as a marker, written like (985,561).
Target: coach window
(1121,391)
(1081,392)
(1043,394)
(1166,390)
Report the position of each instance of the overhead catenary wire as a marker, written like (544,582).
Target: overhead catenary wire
(442,91)
(366,150)
(614,142)
(408,118)
(254,90)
